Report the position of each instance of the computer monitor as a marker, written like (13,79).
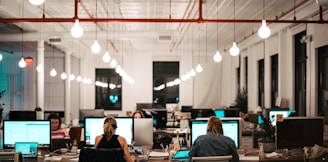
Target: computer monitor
(220,113)
(201,113)
(231,128)
(186,108)
(91,113)
(297,132)
(140,106)
(143,131)
(94,126)
(273,114)
(19,115)
(26,131)
(159,117)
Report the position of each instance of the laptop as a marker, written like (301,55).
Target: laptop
(57,144)
(28,149)
(181,155)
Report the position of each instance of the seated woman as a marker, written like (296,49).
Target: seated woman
(56,130)
(214,143)
(110,140)
(138,114)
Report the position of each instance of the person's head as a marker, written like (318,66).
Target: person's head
(55,121)
(110,126)
(138,114)
(214,125)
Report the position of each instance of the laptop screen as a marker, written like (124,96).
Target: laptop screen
(28,149)
(181,154)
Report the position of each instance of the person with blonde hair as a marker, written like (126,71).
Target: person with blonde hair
(214,142)
(109,140)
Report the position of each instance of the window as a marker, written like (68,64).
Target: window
(274,79)
(261,83)
(108,89)
(163,73)
(300,74)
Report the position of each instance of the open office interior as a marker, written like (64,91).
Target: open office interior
(289,67)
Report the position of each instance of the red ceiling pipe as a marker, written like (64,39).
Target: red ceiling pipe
(15,20)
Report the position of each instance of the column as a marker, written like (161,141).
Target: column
(40,79)
(68,87)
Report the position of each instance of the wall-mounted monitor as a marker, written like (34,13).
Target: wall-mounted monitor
(297,132)
(94,126)
(26,131)
(231,128)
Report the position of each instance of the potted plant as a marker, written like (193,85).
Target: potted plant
(242,100)
(267,140)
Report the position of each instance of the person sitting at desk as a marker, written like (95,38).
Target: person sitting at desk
(138,114)
(110,140)
(56,130)
(214,143)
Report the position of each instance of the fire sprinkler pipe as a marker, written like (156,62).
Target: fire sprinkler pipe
(154,20)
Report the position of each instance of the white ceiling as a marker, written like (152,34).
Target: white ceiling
(127,26)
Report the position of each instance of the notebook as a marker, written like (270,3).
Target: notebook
(181,155)
(28,149)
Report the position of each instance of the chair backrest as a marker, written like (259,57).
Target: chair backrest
(226,158)
(11,156)
(101,155)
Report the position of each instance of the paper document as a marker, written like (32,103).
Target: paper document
(158,154)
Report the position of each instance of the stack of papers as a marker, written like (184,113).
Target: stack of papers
(158,154)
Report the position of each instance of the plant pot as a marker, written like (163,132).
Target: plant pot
(267,147)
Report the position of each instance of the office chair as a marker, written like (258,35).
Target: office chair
(227,158)
(11,156)
(101,155)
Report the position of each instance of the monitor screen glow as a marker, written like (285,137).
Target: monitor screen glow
(231,128)
(93,127)
(219,113)
(26,131)
(273,115)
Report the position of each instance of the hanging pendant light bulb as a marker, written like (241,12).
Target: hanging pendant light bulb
(106,58)
(63,76)
(113,63)
(53,72)
(192,72)
(199,68)
(39,68)
(234,50)
(72,77)
(95,48)
(77,30)
(78,78)
(217,57)
(36,2)
(264,31)
(0,56)
(22,63)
